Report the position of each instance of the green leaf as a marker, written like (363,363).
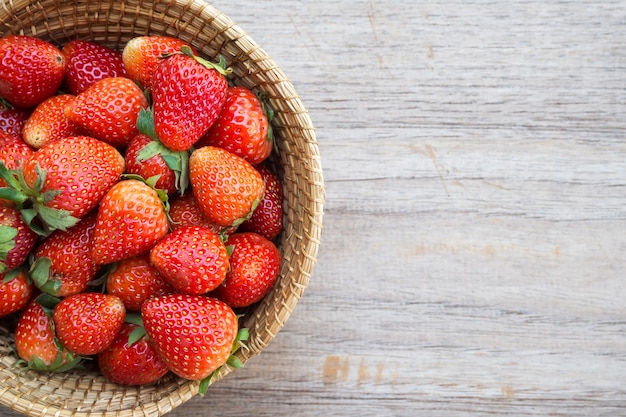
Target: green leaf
(134,318)
(55,219)
(47,301)
(11,275)
(40,271)
(11,194)
(234,362)
(145,123)
(151,149)
(204,384)
(136,335)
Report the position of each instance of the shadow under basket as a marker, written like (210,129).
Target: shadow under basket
(297,161)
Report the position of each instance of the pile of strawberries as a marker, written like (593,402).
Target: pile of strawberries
(138,213)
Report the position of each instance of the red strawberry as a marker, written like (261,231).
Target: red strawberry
(140,160)
(226,187)
(134,280)
(108,110)
(15,291)
(188,93)
(31,70)
(131,219)
(242,127)
(48,122)
(142,55)
(12,120)
(192,259)
(62,262)
(88,62)
(267,218)
(254,267)
(16,239)
(88,322)
(36,342)
(66,179)
(130,362)
(192,334)
(185,211)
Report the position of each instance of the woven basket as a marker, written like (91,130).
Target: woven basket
(83,393)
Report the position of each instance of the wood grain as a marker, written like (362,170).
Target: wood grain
(473,253)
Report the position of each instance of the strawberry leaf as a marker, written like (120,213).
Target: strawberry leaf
(145,124)
(136,335)
(7,241)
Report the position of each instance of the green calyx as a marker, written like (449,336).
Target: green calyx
(41,274)
(177,161)
(32,202)
(233,361)
(263,97)
(7,243)
(219,67)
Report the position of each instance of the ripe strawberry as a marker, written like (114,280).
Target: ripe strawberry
(36,343)
(31,70)
(15,291)
(66,179)
(130,362)
(226,187)
(140,160)
(88,322)
(192,259)
(185,211)
(192,334)
(62,261)
(48,122)
(12,120)
(88,62)
(267,218)
(134,280)
(108,110)
(16,239)
(188,93)
(142,55)
(254,267)
(242,127)
(131,219)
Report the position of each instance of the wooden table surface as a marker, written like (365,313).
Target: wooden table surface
(473,254)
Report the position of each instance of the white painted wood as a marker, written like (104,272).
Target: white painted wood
(473,254)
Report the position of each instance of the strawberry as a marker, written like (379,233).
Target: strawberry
(108,110)
(36,343)
(188,93)
(254,267)
(131,219)
(267,218)
(16,239)
(242,127)
(140,160)
(226,186)
(192,259)
(192,334)
(185,211)
(31,70)
(88,62)
(12,120)
(134,280)
(142,55)
(62,261)
(130,362)
(88,322)
(64,180)
(15,291)
(48,122)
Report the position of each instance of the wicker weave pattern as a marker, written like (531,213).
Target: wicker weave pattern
(84,393)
